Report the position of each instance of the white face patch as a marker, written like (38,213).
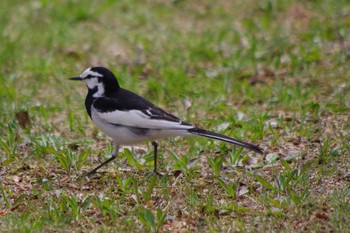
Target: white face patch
(89,72)
(90,78)
(93,83)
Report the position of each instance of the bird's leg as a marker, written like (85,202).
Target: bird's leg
(114,155)
(155,145)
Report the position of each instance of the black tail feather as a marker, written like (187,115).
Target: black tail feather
(208,134)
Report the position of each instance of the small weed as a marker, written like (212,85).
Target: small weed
(152,222)
(215,164)
(230,188)
(71,160)
(107,207)
(327,152)
(235,156)
(180,163)
(130,158)
(124,184)
(287,182)
(9,145)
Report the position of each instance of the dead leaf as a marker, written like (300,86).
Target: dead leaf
(23,119)
(73,54)
(16,179)
(322,215)
(243,190)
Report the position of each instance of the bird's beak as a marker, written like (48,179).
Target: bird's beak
(75,78)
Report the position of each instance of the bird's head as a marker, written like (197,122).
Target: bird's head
(99,80)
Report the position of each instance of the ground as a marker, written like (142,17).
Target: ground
(273,73)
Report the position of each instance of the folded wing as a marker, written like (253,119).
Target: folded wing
(142,115)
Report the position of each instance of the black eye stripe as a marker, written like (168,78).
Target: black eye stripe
(90,76)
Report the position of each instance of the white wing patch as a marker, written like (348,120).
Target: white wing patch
(136,118)
(149,112)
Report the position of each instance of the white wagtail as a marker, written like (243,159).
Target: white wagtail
(130,119)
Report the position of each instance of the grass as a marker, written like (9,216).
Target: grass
(274,73)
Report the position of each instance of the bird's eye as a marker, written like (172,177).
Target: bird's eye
(88,76)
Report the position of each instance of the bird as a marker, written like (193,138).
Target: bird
(129,119)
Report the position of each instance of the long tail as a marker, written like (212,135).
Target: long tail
(208,134)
